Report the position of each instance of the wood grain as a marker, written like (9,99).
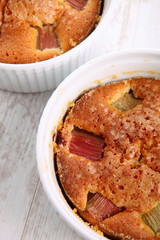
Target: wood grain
(25,212)
(19,117)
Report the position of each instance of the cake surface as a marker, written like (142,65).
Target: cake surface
(108,158)
(33,30)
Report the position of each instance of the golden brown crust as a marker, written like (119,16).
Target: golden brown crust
(25,53)
(128,173)
(128,222)
(20,20)
(77,25)
(35,13)
(2,5)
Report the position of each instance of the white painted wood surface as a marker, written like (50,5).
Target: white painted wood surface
(25,212)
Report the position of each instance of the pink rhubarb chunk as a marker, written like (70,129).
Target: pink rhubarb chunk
(86,144)
(101,208)
(77,4)
(46,38)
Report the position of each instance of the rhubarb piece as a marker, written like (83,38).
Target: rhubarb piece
(86,144)
(47,38)
(101,208)
(152,219)
(77,4)
(126,102)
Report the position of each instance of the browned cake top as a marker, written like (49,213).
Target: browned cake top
(110,144)
(35,30)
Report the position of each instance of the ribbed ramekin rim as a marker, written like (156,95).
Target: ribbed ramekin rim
(62,57)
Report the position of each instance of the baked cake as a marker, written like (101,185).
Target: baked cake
(33,30)
(108,158)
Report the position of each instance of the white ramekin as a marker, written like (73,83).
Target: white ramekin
(47,75)
(105,69)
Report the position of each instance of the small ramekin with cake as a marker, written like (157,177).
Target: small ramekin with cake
(98,154)
(41,42)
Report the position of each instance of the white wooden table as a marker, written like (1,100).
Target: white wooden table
(25,212)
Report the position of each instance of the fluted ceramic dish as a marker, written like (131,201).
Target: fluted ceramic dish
(105,69)
(47,75)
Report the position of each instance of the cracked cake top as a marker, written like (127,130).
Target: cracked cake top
(109,147)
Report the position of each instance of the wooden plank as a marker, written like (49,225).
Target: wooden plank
(25,212)
(44,223)
(132,24)
(19,118)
